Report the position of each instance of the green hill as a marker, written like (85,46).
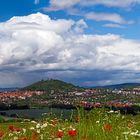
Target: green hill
(123,86)
(52,85)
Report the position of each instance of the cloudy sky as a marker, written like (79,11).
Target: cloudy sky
(86,42)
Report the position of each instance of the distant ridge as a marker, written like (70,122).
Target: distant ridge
(58,85)
(123,85)
(49,85)
(8,89)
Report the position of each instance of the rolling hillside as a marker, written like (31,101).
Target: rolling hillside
(124,85)
(49,85)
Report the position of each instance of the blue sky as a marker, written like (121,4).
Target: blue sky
(9,9)
(86,42)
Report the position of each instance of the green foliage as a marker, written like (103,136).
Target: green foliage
(52,86)
(98,124)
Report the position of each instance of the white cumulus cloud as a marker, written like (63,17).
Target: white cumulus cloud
(59,5)
(36,1)
(111,3)
(113,25)
(112,17)
(63,4)
(36,43)
(72,7)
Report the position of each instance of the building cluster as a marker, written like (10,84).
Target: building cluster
(15,95)
(86,98)
(102,97)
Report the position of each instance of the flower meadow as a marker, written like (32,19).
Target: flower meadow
(97,124)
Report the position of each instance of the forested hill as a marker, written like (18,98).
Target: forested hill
(50,85)
(124,85)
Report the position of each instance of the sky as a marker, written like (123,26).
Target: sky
(85,42)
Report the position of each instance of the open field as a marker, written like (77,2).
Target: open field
(97,124)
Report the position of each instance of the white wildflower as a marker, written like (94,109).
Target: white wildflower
(24,130)
(135,133)
(44,114)
(97,121)
(38,125)
(126,138)
(44,125)
(57,139)
(32,128)
(111,111)
(125,133)
(63,129)
(116,112)
(70,127)
(33,122)
(15,138)
(26,120)
(10,134)
(38,130)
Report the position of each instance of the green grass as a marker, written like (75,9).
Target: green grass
(97,124)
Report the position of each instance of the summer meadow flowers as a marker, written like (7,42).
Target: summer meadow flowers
(72,133)
(11,128)
(59,134)
(90,126)
(107,127)
(1,134)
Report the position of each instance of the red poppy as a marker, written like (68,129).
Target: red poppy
(23,138)
(107,127)
(77,118)
(1,134)
(34,135)
(11,128)
(59,134)
(129,125)
(83,137)
(18,129)
(72,133)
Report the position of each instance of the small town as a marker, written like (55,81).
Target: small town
(9,97)
(87,98)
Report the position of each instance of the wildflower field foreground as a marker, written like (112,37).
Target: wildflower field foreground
(97,124)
